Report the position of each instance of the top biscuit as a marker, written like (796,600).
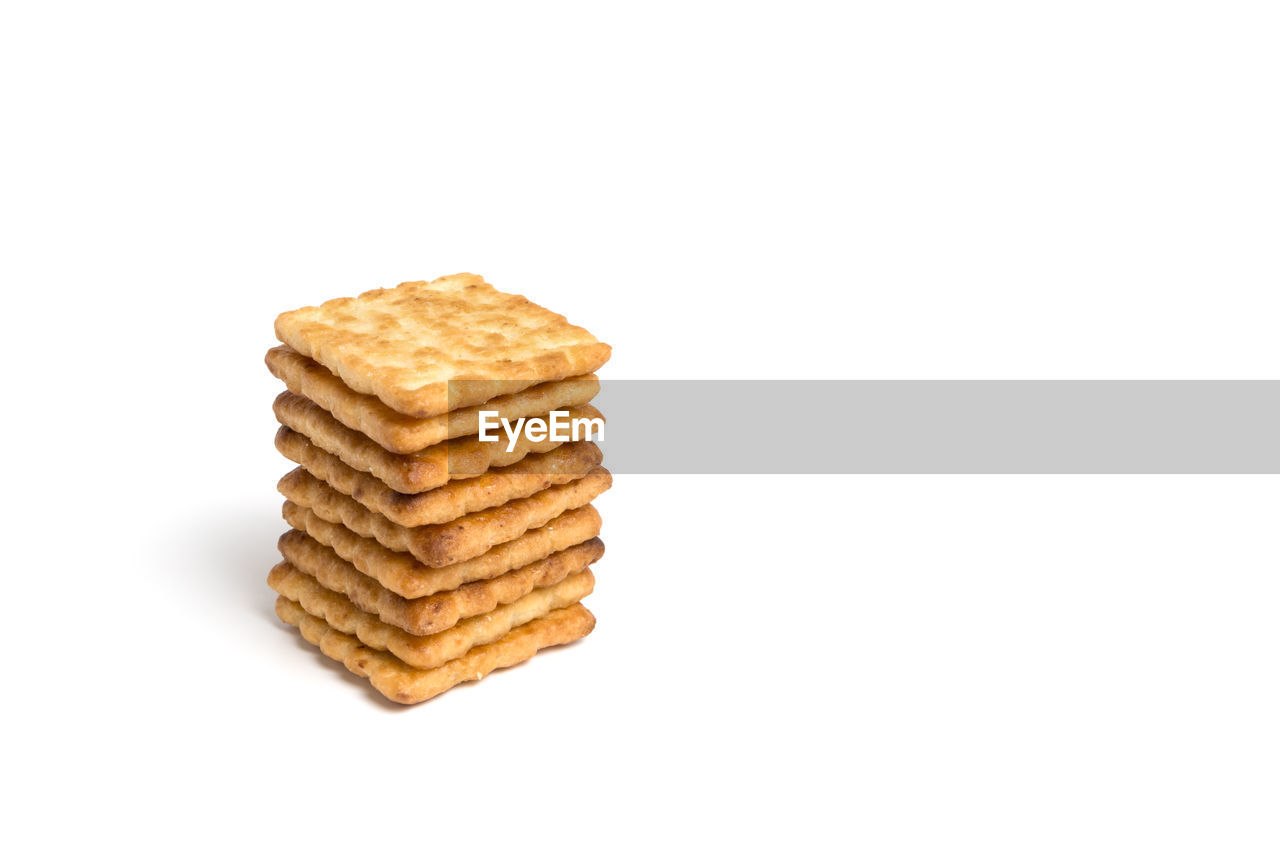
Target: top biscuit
(426,348)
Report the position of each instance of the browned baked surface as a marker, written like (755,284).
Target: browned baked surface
(404,575)
(436,649)
(462,538)
(400,433)
(441,611)
(405,344)
(455,498)
(410,473)
(402,683)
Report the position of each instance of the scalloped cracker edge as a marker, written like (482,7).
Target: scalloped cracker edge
(436,649)
(401,683)
(405,344)
(400,433)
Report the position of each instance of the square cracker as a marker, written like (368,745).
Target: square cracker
(436,649)
(405,344)
(438,545)
(400,433)
(455,498)
(412,473)
(402,683)
(404,575)
(441,611)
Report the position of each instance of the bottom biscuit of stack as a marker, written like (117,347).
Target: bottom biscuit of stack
(412,649)
(399,682)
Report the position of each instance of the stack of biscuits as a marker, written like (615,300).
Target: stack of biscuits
(420,556)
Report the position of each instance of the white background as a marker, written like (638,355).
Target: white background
(978,190)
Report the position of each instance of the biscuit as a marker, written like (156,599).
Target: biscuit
(402,683)
(436,649)
(405,576)
(415,472)
(400,433)
(441,611)
(405,344)
(457,497)
(452,542)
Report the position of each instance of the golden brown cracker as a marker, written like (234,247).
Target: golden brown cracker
(400,433)
(455,498)
(437,649)
(462,538)
(405,344)
(441,611)
(406,576)
(402,683)
(411,473)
